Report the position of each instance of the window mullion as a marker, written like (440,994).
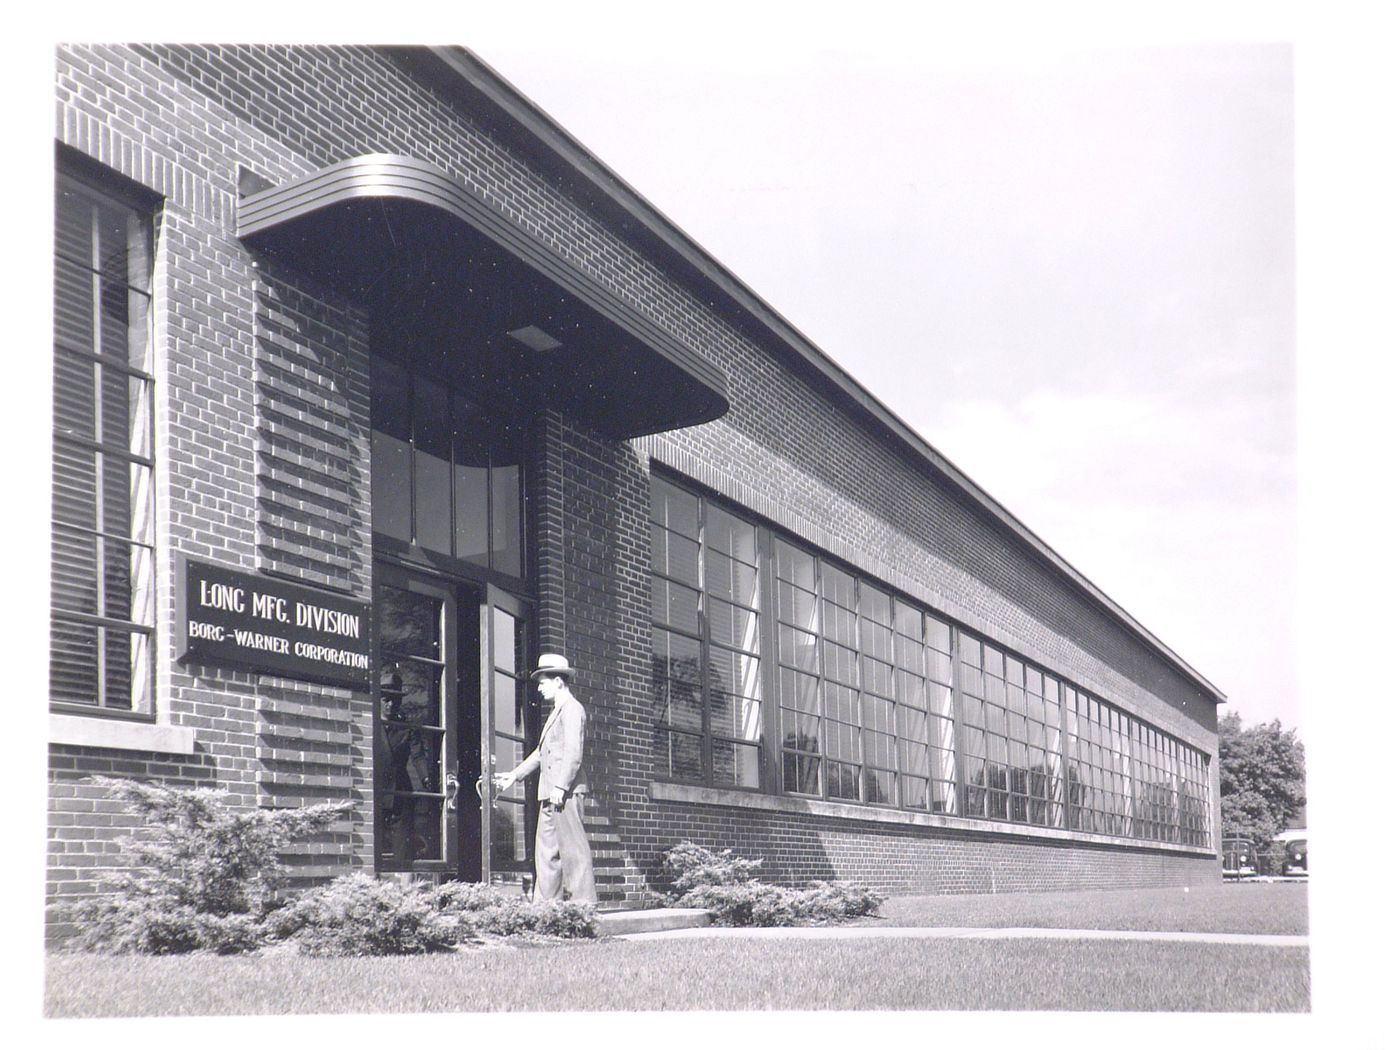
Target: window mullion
(95,620)
(824,780)
(707,768)
(84,530)
(862,793)
(959,741)
(106,448)
(1063,689)
(771,745)
(99,509)
(412,396)
(453,449)
(108,361)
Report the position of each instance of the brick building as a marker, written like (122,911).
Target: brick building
(371,384)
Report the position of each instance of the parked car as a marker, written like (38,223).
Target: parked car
(1295,851)
(1238,858)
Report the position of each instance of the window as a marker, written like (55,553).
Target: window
(446,476)
(707,689)
(799,681)
(864,689)
(840,682)
(1011,732)
(1170,789)
(734,704)
(1102,781)
(939,653)
(102,582)
(869,708)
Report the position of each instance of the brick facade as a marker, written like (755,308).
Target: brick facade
(263,466)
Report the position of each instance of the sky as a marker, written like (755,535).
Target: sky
(1067,264)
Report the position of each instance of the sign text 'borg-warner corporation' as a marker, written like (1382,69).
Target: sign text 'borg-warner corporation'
(269,625)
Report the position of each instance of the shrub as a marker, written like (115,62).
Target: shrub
(484,910)
(723,885)
(149,926)
(846,900)
(749,903)
(203,876)
(207,878)
(690,866)
(358,914)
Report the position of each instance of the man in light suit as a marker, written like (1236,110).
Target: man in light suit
(562,858)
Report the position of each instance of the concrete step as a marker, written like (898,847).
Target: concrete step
(650,920)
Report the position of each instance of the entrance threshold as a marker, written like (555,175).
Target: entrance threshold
(650,920)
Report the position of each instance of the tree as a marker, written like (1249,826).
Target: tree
(1261,779)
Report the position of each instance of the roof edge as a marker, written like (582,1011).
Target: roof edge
(525,117)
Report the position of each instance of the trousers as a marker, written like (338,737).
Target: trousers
(563,861)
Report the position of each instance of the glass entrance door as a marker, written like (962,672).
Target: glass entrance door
(453,685)
(508,721)
(417,773)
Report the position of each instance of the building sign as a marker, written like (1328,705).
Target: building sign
(264,624)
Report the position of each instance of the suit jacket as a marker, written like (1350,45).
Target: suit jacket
(560,753)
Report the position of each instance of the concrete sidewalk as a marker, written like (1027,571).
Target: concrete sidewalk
(966,933)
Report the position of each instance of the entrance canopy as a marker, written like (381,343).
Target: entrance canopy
(462,290)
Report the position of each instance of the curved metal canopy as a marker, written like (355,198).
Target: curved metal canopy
(461,289)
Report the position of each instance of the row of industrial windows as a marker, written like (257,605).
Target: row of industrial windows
(868,697)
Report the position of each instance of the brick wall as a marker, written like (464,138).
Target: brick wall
(313,437)
(80,814)
(242,350)
(915,860)
(315,742)
(84,826)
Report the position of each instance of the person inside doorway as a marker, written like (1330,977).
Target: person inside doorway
(563,862)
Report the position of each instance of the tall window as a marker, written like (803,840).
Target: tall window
(706,683)
(1011,736)
(1195,800)
(840,670)
(924,689)
(102,585)
(865,689)
(446,475)
(1100,767)
(877,706)
(1170,787)
(799,669)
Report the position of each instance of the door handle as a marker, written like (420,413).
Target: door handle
(485,778)
(452,787)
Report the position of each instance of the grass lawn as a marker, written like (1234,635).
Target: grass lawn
(743,974)
(701,975)
(1235,907)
